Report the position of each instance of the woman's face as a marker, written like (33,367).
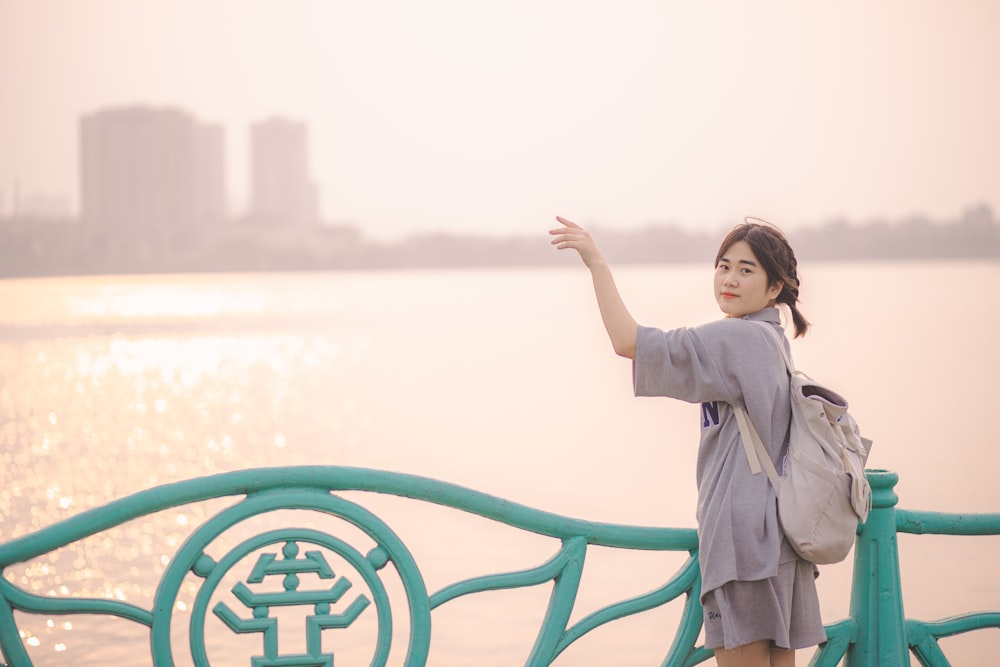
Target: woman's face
(741,283)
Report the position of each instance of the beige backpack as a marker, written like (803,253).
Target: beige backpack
(823,492)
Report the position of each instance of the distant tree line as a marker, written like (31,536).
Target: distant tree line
(53,247)
(976,234)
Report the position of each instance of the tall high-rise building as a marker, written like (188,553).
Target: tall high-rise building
(150,169)
(282,191)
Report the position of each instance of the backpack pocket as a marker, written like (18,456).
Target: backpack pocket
(818,519)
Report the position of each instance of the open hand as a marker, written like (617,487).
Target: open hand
(572,235)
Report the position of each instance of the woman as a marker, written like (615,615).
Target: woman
(759,596)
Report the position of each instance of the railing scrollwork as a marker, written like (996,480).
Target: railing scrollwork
(331,584)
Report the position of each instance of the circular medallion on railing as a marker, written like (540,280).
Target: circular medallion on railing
(292,595)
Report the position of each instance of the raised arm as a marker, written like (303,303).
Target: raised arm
(620,325)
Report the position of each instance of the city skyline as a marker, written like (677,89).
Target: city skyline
(480,118)
(144,167)
(285,157)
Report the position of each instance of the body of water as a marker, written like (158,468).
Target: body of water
(501,380)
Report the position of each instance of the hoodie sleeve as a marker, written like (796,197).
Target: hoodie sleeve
(705,363)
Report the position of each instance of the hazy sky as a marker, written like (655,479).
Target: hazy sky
(469,115)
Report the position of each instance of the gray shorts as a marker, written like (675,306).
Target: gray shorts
(783,609)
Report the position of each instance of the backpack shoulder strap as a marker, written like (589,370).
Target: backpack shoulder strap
(753,446)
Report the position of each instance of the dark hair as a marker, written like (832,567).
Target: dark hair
(777,259)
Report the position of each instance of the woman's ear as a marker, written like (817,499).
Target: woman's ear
(775,289)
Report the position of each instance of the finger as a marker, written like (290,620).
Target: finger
(568,223)
(580,237)
(571,231)
(567,242)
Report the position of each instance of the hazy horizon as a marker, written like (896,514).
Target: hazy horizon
(492,118)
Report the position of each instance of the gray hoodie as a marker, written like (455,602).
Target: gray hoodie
(729,361)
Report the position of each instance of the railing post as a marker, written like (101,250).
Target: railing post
(876,595)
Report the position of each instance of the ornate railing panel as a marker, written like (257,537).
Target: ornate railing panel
(287,569)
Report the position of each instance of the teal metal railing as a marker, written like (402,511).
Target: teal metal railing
(875,633)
